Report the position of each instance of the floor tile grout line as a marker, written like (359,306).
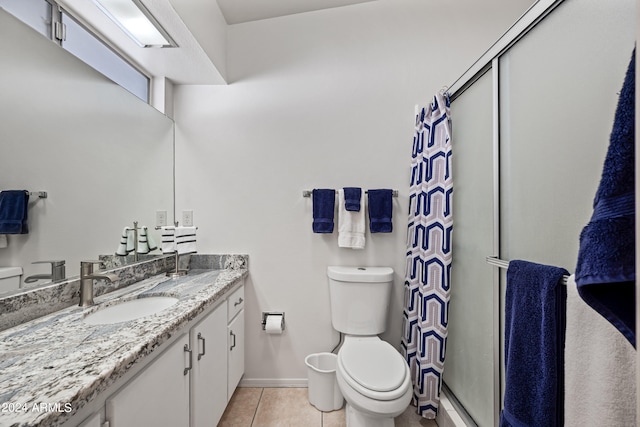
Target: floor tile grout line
(255,411)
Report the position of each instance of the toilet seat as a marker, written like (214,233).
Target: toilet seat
(373,368)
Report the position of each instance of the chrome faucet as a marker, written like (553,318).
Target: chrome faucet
(57,272)
(86,281)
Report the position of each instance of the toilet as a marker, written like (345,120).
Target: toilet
(371,374)
(10,278)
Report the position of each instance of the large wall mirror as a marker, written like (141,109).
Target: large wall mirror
(104,157)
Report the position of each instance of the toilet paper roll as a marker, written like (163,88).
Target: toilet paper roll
(274,324)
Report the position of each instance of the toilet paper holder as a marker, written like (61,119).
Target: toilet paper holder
(266,314)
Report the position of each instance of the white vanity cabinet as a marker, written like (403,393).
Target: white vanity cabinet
(93,421)
(159,395)
(191,382)
(209,374)
(235,307)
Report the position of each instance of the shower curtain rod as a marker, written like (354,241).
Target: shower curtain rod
(495,261)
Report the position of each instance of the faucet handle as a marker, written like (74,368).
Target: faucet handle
(86,267)
(57,269)
(56,263)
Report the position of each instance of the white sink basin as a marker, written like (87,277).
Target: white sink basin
(130,310)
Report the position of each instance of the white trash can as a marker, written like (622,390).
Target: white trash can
(324,393)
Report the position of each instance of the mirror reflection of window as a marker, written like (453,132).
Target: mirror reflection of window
(86,47)
(76,39)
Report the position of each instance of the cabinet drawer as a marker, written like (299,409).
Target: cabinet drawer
(235,303)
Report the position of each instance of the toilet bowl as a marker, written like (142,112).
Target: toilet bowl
(375,381)
(372,375)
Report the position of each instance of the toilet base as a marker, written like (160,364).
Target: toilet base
(356,418)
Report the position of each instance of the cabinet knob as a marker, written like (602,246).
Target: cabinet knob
(237,303)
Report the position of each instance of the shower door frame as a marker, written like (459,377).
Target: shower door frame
(489,62)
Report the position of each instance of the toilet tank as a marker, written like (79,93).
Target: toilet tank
(10,278)
(360,299)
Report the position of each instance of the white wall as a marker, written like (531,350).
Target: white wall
(323,99)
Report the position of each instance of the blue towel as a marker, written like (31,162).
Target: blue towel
(605,273)
(13,212)
(535,322)
(380,210)
(324,203)
(352,196)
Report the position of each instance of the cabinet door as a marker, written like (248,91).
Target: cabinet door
(235,302)
(236,352)
(158,396)
(209,376)
(93,421)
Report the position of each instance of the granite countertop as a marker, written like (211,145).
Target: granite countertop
(63,363)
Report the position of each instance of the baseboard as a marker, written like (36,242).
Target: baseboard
(274,382)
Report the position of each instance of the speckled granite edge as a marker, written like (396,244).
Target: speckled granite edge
(219,262)
(28,304)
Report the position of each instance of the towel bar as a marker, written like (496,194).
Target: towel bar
(497,262)
(40,194)
(307,193)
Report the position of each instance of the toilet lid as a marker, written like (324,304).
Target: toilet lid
(374,364)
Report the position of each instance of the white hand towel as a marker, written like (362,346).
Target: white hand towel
(143,244)
(150,241)
(600,368)
(185,239)
(3,241)
(168,240)
(351,224)
(126,243)
(131,242)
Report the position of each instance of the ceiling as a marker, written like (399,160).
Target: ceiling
(238,11)
(186,20)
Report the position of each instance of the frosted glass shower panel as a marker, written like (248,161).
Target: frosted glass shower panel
(469,368)
(558,92)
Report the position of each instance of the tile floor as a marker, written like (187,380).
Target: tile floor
(290,407)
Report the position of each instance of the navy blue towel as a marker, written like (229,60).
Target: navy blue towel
(13,212)
(324,203)
(352,196)
(535,323)
(605,273)
(380,210)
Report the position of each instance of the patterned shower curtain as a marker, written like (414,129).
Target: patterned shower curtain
(428,269)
